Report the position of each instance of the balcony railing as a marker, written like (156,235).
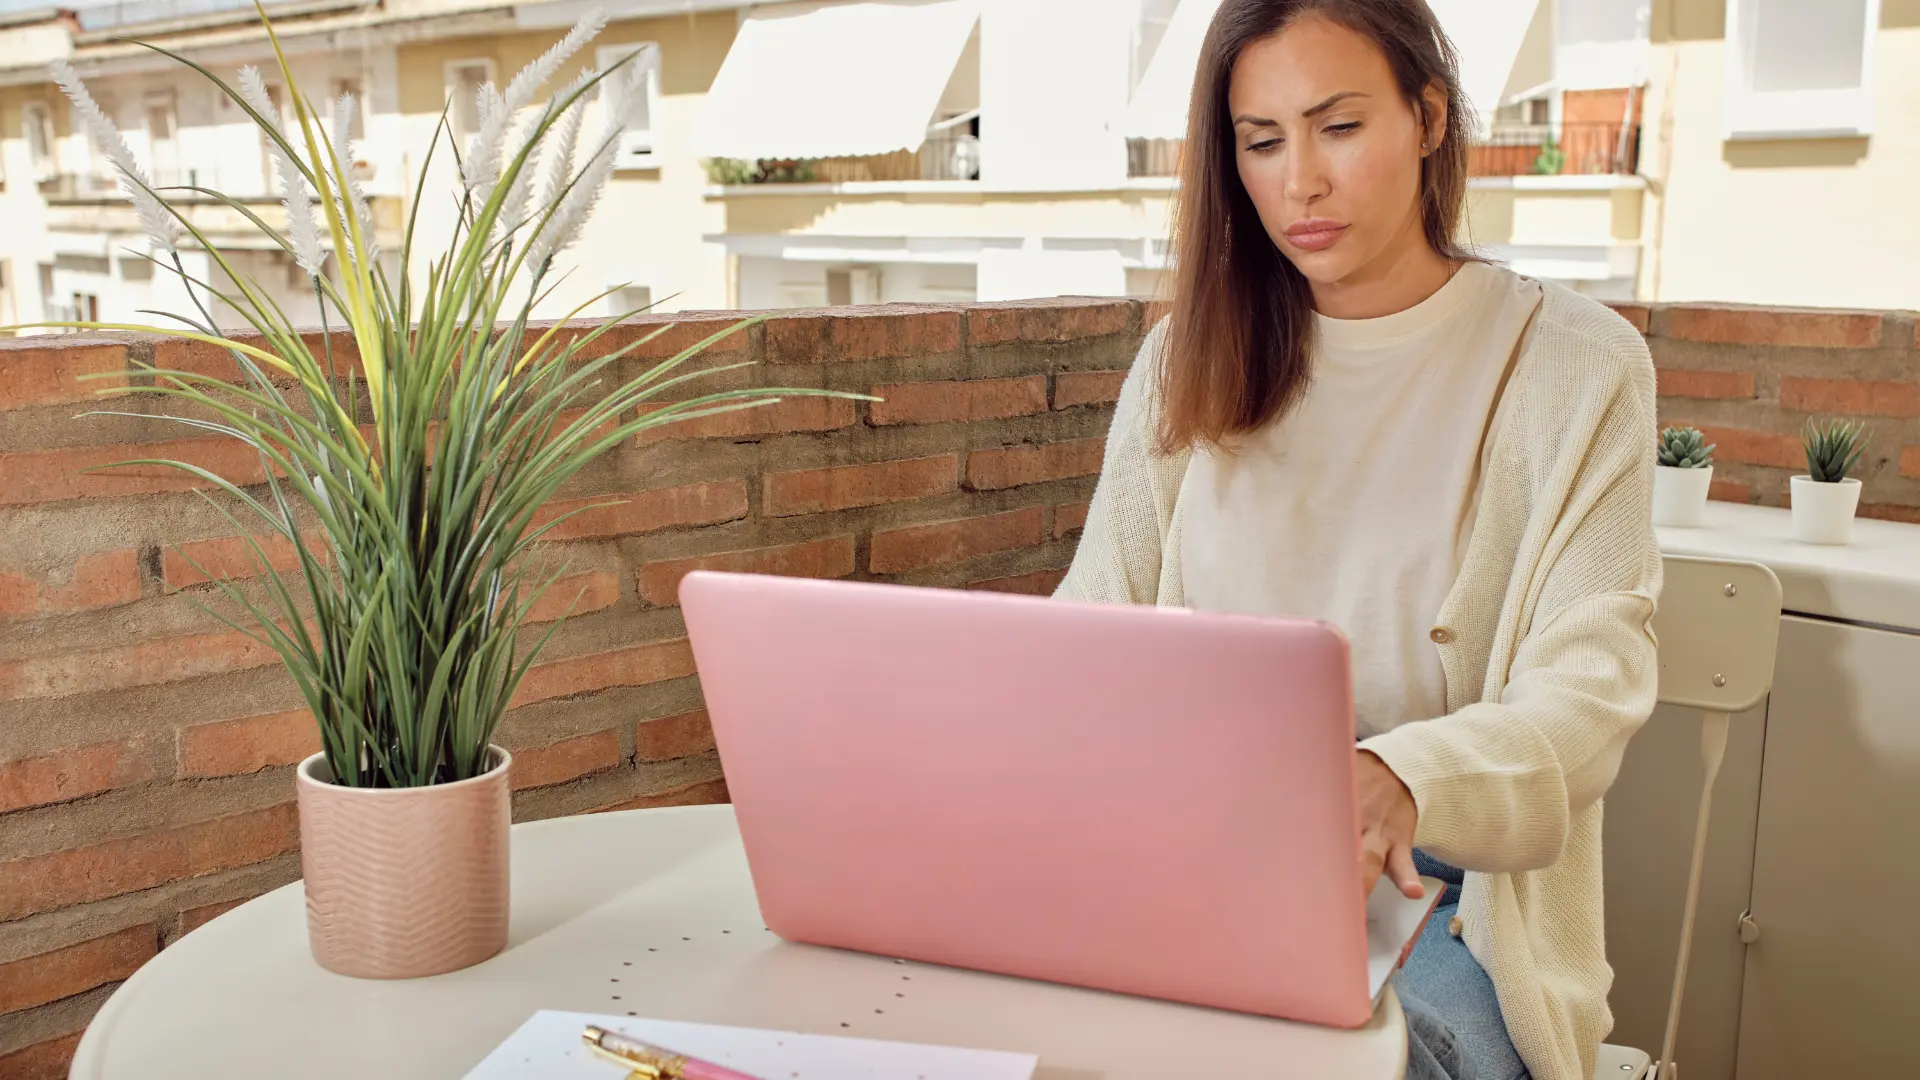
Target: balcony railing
(1578,149)
(1153,157)
(942,157)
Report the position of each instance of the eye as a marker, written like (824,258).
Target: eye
(1347,128)
(1263,145)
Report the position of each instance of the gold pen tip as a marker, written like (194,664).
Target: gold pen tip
(592,1035)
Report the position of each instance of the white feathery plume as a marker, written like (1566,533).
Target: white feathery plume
(481,170)
(296,196)
(153,214)
(353,198)
(522,87)
(561,138)
(616,101)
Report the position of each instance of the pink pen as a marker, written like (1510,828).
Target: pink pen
(651,1062)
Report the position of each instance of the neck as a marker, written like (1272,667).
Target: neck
(1406,273)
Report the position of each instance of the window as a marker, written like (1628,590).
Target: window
(637,146)
(464,79)
(853,285)
(162,150)
(36,122)
(1800,68)
(358,129)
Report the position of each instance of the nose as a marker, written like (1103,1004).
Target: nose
(1306,176)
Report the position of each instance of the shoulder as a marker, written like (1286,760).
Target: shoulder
(1581,347)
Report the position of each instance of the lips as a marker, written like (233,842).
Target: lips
(1315,234)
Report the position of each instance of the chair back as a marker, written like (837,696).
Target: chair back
(1718,625)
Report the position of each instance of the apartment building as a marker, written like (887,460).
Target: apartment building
(846,151)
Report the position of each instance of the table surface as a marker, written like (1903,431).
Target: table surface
(651,912)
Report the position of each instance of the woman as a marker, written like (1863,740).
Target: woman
(1346,417)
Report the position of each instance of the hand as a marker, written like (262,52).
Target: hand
(1387,819)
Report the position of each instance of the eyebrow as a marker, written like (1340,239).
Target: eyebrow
(1261,121)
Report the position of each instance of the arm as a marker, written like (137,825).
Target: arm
(1497,784)
(1118,560)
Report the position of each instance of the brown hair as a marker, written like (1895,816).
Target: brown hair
(1236,354)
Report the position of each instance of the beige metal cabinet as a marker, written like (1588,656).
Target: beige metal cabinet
(1816,830)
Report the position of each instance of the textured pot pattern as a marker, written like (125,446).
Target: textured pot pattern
(407,882)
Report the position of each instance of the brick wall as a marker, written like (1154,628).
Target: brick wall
(146,752)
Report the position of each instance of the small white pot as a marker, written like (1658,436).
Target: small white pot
(1823,513)
(1680,495)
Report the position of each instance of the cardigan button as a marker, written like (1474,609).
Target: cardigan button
(1440,635)
(1455,926)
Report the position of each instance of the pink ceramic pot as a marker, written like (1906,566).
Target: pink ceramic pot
(404,882)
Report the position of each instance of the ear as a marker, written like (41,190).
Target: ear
(1433,114)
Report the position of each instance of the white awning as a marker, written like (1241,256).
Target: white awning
(1159,107)
(814,80)
(1487,33)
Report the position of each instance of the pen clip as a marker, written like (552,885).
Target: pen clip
(638,1070)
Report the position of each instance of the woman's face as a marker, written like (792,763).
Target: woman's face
(1329,150)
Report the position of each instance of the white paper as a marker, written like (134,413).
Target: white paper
(1393,921)
(548,1047)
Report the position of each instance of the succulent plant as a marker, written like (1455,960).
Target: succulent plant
(1833,448)
(1685,448)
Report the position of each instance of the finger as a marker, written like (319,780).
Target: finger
(1400,868)
(1372,862)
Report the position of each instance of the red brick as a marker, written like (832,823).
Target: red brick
(815,337)
(231,558)
(668,738)
(635,665)
(1891,512)
(247,744)
(700,794)
(76,969)
(107,579)
(110,868)
(38,476)
(1857,397)
(194,918)
(1069,518)
(654,336)
(577,594)
(1910,461)
(71,774)
(1637,314)
(1073,388)
(568,759)
(37,371)
(201,358)
(604,516)
(1063,319)
(1681,382)
(805,413)
(1012,466)
(1804,328)
(1755,447)
(1733,491)
(1038,583)
(843,487)
(146,664)
(972,399)
(953,541)
(829,558)
(46,1060)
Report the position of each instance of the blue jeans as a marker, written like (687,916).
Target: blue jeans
(1454,1027)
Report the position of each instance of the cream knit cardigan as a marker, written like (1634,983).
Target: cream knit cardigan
(1545,638)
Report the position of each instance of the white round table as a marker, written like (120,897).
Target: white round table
(651,912)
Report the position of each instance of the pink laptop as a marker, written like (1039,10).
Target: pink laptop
(1147,801)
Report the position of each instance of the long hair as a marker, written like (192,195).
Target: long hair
(1237,352)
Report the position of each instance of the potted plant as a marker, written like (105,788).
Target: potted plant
(1824,500)
(408,479)
(1682,478)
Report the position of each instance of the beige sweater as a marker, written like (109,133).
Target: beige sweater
(1545,639)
